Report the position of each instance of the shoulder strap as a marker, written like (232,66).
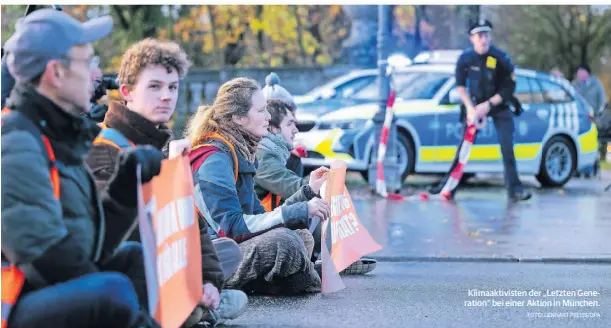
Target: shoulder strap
(200,153)
(16,121)
(114,138)
(221,139)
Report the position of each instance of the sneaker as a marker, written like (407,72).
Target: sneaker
(233,304)
(520,196)
(360,267)
(195,317)
(318,268)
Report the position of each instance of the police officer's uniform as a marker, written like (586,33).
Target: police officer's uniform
(485,76)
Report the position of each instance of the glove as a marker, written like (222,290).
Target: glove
(97,112)
(123,183)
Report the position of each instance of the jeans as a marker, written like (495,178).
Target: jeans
(102,299)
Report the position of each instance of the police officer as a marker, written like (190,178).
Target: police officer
(486,82)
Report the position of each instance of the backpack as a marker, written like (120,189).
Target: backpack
(114,138)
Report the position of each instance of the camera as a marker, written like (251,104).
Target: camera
(98,111)
(100,86)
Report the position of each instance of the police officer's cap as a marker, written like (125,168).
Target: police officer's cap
(483,25)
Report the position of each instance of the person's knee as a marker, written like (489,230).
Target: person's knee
(131,250)
(293,242)
(116,294)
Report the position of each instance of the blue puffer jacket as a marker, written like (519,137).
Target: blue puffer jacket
(233,209)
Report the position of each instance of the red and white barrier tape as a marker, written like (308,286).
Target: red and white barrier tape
(380,182)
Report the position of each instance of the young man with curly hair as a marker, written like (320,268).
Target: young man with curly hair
(149,76)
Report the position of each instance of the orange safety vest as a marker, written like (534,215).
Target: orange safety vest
(12,277)
(270,202)
(112,137)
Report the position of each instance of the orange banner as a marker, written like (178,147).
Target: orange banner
(170,236)
(349,239)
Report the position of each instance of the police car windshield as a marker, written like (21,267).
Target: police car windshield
(411,85)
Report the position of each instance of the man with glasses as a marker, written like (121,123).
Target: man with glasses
(60,267)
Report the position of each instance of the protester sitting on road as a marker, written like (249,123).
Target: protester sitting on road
(275,181)
(60,263)
(149,75)
(277,245)
(273,90)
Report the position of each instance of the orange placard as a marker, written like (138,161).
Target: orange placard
(170,236)
(349,238)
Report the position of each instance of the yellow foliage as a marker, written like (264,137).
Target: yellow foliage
(334,10)
(208,46)
(114,95)
(185,36)
(277,24)
(324,59)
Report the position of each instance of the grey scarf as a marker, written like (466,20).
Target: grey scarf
(274,143)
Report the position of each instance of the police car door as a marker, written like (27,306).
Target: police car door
(450,134)
(530,127)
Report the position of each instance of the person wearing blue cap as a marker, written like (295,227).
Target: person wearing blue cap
(486,83)
(60,266)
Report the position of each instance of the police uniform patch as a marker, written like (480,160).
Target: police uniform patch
(491,62)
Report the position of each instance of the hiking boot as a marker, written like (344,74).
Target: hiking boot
(233,304)
(520,196)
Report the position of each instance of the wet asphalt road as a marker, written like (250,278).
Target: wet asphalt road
(571,224)
(556,224)
(434,294)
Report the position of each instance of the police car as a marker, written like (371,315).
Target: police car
(554,136)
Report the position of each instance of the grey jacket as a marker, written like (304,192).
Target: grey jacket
(33,221)
(272,174)
(593,91)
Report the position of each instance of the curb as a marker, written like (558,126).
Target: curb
(548,260)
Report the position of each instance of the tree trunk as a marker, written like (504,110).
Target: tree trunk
(302,52)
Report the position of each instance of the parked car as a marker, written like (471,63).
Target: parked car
(331,96)
(345,91)
(554,136)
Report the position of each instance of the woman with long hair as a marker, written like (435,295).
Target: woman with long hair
(277,246)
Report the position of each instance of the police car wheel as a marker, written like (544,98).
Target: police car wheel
(558,163)
(406,165)
(405,159)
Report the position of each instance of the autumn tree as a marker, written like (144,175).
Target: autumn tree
(543,37)
(255,36)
